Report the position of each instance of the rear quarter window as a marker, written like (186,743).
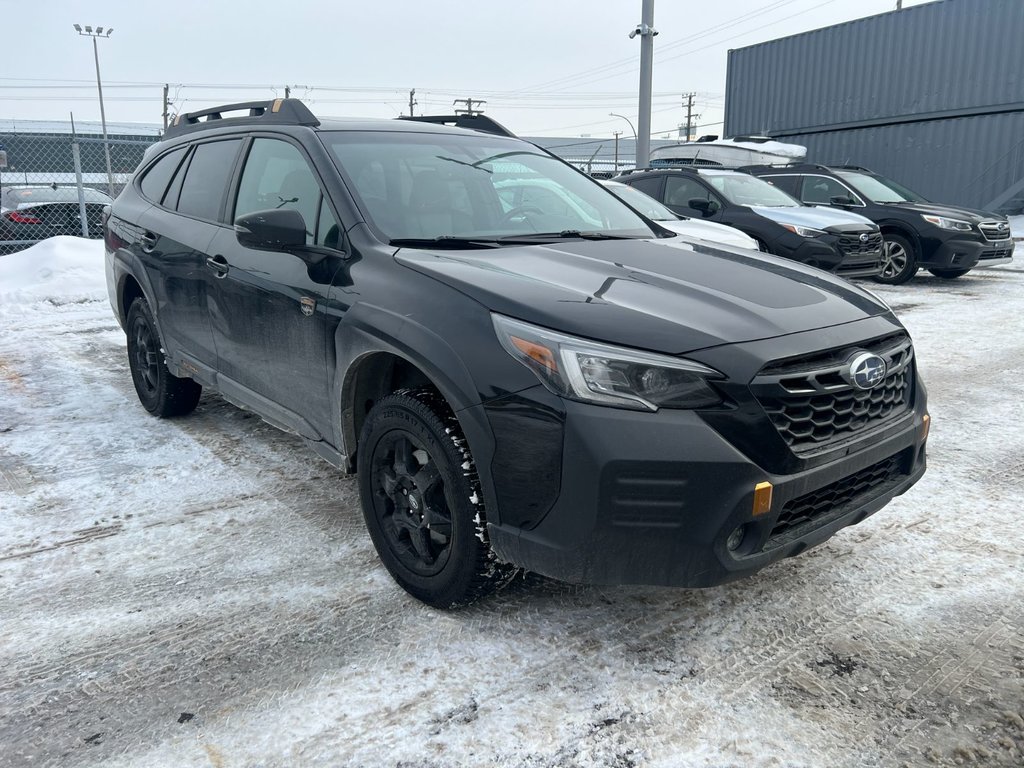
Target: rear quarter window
(154,182)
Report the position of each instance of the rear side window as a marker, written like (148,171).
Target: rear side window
(154,183)
(651,186)
(790,184)
(206,181)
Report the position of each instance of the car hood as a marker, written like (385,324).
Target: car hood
(708,230)
(948,211)
(816,217)
(671,295)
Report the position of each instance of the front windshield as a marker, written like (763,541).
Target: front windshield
(740,189)
(644,203)
(878,189)
(472,186)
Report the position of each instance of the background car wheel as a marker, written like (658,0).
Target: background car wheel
(899,260)
(949,274)
(160,392)
(422,502)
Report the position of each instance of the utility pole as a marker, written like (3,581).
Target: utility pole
(166,113)
(899,5)
(412,101)
(616,134)
(647,32)
(690,116)
(469,106)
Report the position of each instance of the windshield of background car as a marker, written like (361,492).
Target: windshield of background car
(644,203)
(430,185)
(880,190)
(740,189)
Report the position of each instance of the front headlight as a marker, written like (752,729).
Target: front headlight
(943,223)
(804,231)
(585,370)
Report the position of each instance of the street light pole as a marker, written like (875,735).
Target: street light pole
(88,32)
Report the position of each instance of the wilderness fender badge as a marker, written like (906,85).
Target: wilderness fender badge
(308,305)
(866,371)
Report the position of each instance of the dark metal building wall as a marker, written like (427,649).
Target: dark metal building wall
(932,95)
(971,161)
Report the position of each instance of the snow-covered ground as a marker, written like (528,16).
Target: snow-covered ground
(202,591)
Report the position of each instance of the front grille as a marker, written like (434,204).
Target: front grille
(995,230)
(998,253)
(813,406)
(834,500)
(852,244)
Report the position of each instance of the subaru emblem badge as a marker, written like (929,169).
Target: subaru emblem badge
(865,237)
(866,371)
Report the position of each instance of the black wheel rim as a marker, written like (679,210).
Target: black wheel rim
(410,503)
(145,355)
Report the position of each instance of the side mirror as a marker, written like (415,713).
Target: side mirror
(841,200)
(276,230)
(706,207)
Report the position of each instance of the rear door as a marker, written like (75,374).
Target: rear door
(268,308)
(174,236)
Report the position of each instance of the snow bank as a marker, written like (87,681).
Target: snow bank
(61,270)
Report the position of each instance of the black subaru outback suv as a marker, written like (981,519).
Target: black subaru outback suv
(948,241)
(560,386)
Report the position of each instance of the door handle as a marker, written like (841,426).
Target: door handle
(148,240)
(218,264)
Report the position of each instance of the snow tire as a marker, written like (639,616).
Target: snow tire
(422,501)
(161,393)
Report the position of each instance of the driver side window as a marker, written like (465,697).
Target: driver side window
(277,176)
(680,190)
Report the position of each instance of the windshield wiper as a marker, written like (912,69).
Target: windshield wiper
(445,241)
(565,234)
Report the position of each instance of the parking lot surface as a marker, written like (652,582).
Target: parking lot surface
(202,591)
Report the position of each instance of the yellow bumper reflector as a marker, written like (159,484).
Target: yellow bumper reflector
(762,498)
(926,424)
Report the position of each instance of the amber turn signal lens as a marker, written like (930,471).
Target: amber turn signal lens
(926,425)
(762,498)
(537,352)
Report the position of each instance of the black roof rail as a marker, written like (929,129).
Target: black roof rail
(792,168)
(275,112)
(854,168)
(471,122)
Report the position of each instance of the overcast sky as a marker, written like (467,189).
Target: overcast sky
(545,67)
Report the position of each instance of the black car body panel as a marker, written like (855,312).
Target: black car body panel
(312,337)
(666,297)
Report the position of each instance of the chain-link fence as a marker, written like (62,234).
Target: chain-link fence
(58,183)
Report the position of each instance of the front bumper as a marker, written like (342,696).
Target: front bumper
(961,253)
(608,496)
(653,499)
